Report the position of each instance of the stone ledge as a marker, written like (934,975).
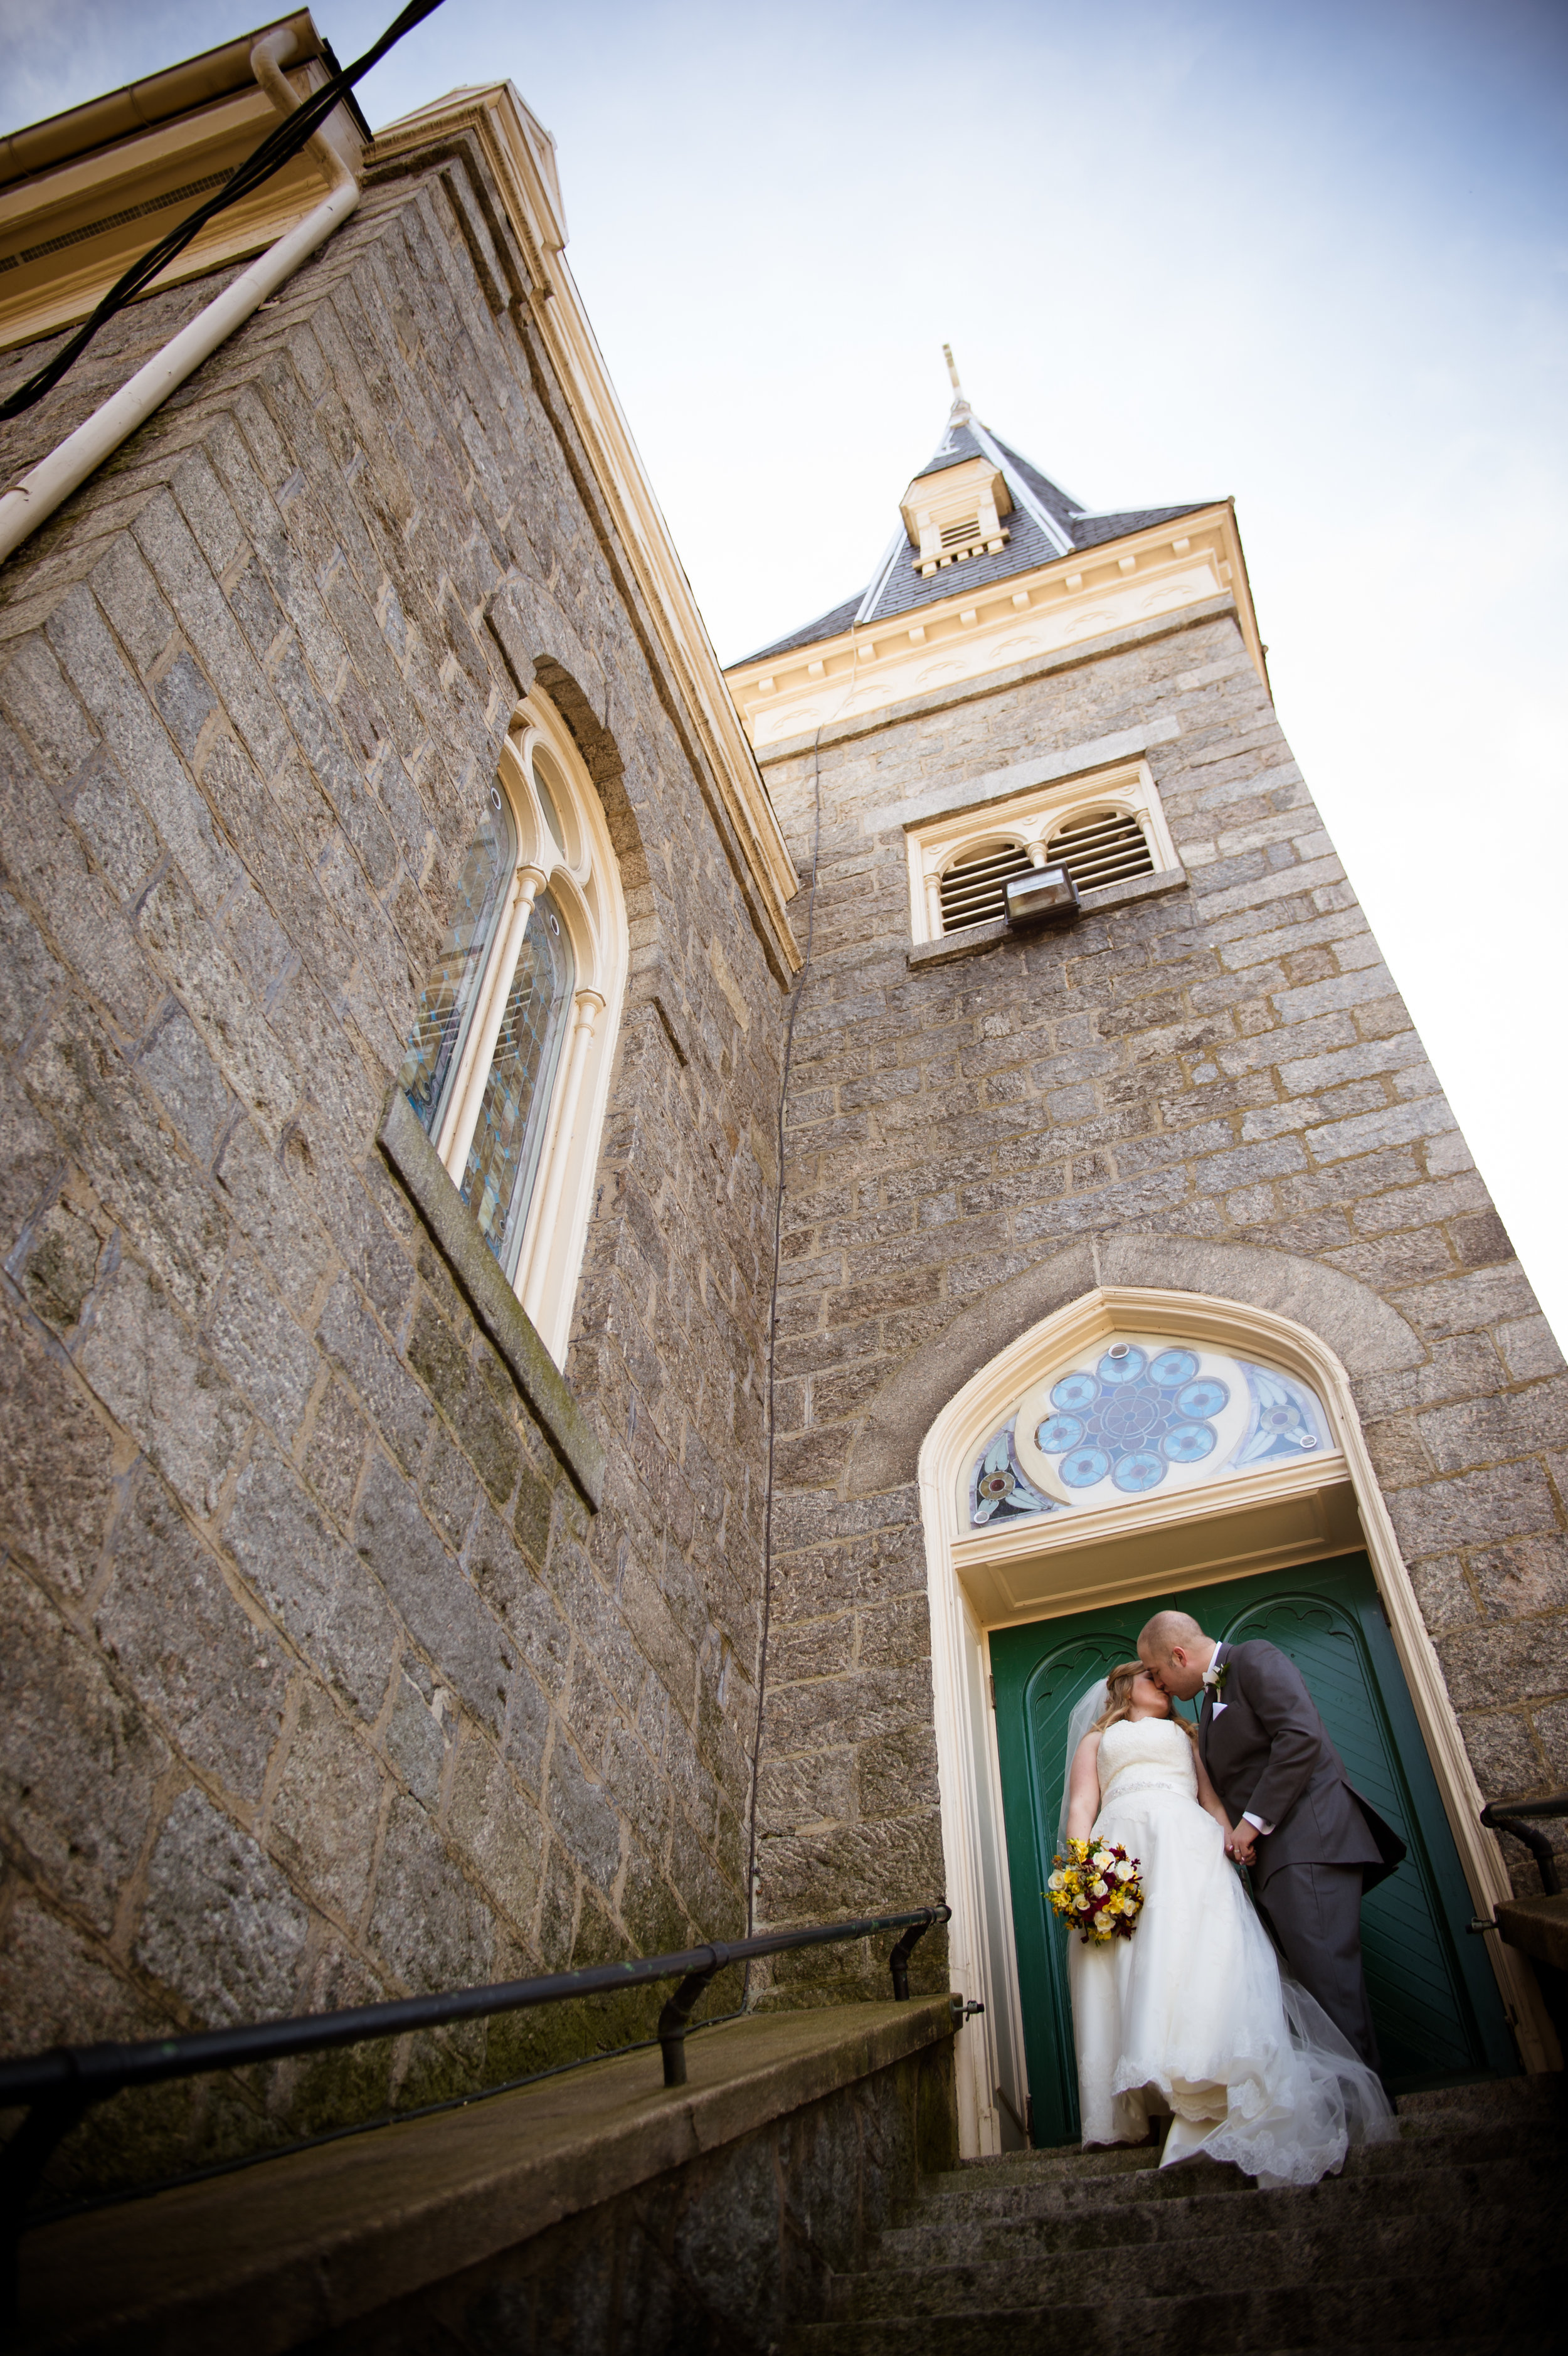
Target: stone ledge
(1537,1927)
(272,2256)
(975,939)
(495,1304)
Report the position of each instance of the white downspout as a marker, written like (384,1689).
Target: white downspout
(54,478)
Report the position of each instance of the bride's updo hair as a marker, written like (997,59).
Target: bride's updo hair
(1119,1684)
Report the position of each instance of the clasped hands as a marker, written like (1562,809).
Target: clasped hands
(1242,1842)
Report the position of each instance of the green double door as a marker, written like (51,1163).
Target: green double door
(1436,2002)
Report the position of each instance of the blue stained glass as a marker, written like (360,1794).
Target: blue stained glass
(998,1490)
(1189,1443)
(1084,1467)
(1062,1431)
(1133,1418)
(1136,1415)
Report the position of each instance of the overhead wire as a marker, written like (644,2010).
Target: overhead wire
(280,147)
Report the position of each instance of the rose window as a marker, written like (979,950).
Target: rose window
(1137,1414)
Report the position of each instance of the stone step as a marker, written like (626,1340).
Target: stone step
(1031,2183)
(1311,2248)
(1516,2309)
(1544,2094)
(1522,2186)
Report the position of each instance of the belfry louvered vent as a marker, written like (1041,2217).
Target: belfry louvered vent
(1102,847)
(976,888)
(963,533)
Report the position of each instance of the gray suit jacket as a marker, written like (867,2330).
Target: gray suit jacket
(1269,1750)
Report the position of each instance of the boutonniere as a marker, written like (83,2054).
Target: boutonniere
(1214,1677)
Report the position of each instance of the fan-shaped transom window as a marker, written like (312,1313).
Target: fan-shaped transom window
(1133,1414)
(508,1060)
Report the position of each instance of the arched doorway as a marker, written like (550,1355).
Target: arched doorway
(1171,1490)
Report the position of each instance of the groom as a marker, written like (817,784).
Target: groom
(1312,1843)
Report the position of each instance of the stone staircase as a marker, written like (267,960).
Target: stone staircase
(1452,2240)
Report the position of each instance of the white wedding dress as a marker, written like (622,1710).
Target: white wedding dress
(1191,2014)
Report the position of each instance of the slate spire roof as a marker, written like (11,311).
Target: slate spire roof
(1046,523)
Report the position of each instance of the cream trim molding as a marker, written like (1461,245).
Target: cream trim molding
(1073,600)
(966,1580)
(522,154)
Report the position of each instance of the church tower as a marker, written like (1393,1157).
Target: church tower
(1131,1255)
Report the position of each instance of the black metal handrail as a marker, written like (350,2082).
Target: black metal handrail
(59,2086)
(1509,1817)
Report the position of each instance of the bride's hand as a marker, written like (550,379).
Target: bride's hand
(1241,1842)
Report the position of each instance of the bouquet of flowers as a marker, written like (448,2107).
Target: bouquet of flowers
(1096,1889)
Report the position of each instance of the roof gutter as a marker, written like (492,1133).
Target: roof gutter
(34,497)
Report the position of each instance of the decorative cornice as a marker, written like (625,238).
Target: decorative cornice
(946,648)
(522,154)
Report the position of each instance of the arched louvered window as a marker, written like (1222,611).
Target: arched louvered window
(1098,847)
(974,887)
(508,1063)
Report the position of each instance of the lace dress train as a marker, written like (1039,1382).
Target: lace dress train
(1192,2014)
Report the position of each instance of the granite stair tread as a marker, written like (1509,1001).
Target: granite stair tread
(1447,2240)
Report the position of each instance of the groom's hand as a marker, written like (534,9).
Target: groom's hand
(1242,1843)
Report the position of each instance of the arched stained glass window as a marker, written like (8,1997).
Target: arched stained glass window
(449,996)
(1133,1414)
(504,1155)
(509,1063)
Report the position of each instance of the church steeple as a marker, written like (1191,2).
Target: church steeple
(991,561)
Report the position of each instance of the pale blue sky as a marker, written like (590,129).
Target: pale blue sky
(1314,254)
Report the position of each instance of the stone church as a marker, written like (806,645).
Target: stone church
(620,1278)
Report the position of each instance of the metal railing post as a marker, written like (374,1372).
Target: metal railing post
(1509,1817)
(897,1962)
(675,2018)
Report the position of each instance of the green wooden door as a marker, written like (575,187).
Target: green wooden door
(1439,2016)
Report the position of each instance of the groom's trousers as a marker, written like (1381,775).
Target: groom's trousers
(1315,1914)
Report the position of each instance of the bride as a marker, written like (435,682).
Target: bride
(1191,2015)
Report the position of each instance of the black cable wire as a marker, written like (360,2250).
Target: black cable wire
(280,146)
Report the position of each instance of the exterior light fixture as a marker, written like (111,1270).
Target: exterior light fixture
(1042,895)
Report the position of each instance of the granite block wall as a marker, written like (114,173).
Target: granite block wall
(321,1680)
(1227,1069)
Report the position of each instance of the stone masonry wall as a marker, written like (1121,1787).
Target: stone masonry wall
(1231,1064)
(320,1681)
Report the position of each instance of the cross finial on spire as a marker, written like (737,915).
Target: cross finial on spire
(960,409)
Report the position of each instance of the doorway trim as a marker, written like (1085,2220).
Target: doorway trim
(981,1947)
